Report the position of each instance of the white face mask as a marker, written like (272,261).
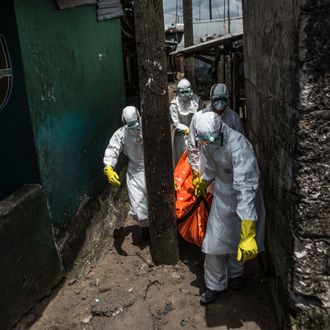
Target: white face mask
(219,105)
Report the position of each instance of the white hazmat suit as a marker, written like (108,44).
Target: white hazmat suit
(182,109)
(231,162)
(128,139)
(195,156)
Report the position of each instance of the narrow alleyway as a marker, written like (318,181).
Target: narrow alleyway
(124,290)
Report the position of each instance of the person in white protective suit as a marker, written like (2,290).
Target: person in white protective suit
(219,96)
(182,108)
(128,139)
(236,223)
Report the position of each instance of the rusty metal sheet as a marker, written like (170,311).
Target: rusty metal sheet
(108,9)
(63,4)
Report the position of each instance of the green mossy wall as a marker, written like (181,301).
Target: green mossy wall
(75,86)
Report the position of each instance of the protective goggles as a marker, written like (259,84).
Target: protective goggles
(210,138)
(185,91)
(133,124)
(223,98)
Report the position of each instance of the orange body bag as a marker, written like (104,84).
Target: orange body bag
(191,211)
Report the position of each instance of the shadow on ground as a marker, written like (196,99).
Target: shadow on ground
(233,309)
(120,234)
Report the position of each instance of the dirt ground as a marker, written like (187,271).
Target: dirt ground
(124,290)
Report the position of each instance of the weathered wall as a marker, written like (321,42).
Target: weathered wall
(287,90)
(311,227)
(74,80)
(18,163)
(30,265)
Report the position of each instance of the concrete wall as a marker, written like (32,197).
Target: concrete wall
(30,266)
(18,163)
(74,80)
(287,90)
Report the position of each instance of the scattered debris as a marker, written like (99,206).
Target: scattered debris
(167,308)
(72,281)
(183,323)
(95,282)
(175,275)
(87,319)
(113,302)
(147,288)
(145,259)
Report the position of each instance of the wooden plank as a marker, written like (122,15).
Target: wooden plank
(236,82)
(229,79)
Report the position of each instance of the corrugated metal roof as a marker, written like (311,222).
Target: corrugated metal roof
(63,4)
(216,27)
(231,37)
(108,9)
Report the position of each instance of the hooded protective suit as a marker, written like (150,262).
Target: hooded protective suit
(231,162)
(182,109)
(128,139)
(195,156)
(228,116)
(237,196)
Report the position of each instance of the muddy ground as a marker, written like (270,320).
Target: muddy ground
(124,290)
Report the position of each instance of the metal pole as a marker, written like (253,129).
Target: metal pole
(177,12)
(210,8)
(224,12)
(228,16)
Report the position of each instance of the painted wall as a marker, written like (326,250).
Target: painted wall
(75,87)
(287,92)
(30,263)
(18,163)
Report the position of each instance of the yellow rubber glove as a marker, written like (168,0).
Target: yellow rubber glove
(196,178)
(112,176)
(201,188)
(247,247)
(186,131)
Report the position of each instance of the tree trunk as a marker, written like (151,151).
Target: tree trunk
(150,42)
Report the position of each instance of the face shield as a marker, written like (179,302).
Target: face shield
(209,130)
(185,94)
(133,125)
(184,90)
(211,140)
(131,118)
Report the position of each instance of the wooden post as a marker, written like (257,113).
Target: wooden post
(229,80)
(236,82)
(188,40)
(151,55)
